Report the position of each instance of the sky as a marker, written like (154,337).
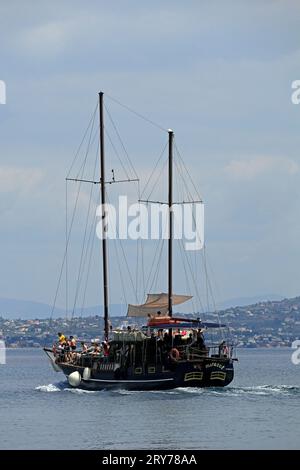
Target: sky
(219,73)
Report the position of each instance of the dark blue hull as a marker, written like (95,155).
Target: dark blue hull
(208,372)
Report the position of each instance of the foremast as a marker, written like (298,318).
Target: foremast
(104,228)
(170,241)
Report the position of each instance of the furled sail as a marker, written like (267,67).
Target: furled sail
(155,303)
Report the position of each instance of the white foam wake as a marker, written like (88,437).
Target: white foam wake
(263,390)
(48,388)
(62,387)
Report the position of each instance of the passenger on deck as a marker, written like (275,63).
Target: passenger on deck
(223,349)
(160,335)
(97,350)
(200,340)
(61,338)
(72,348)
(84,348)
(72,343)
(66,349)
(167,340)
(105,348)
(177,338)
(151,348)
(190,339)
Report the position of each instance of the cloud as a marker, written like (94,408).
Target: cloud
(47,38)
(219,75)
(260,165)
(18,179)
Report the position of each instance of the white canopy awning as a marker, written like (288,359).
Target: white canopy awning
(155,303)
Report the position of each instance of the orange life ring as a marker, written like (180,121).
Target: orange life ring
(174,354)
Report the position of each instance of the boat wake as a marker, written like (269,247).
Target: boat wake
(62,387)
(258,390)
(262,390)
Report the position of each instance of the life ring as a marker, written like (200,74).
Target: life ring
(174,354)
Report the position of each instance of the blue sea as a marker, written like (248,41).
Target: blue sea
(259,410)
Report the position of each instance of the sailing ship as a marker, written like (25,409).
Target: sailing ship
(168,351)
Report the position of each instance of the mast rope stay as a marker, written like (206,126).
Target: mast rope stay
(153,171)
(137,114)
(91,122)
(83,250)
(121,142)
(82,168)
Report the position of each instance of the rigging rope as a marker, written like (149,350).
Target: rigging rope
(142,251)
(154,169)
(121,142)
(179,189)
(152,265)
(68,241)
(120,273)
(93,226)
(92,119)
(188,173)
(155,276)
(136,113)
(80,270)
(117,154)
(158,179)
(124,257)
(192,277)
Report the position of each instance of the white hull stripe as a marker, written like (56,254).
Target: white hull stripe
(128,381)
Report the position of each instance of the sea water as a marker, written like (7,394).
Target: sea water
(260,409)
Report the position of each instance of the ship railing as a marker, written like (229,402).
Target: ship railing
(77,356)
(196,353)
(219,350)
(190,352)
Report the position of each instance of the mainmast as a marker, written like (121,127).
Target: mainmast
(104,228)
(170,241)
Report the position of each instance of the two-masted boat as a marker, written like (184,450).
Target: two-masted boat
(168,351)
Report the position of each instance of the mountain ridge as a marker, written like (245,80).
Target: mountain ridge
(29,309)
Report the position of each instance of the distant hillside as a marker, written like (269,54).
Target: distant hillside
(244,301)
(263,324)
(27,310)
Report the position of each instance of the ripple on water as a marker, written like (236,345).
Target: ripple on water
(258,390)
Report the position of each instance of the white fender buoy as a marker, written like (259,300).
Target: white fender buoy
(74,379)
(86,373)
